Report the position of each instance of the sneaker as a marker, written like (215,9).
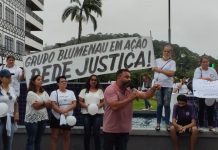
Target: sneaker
(168,128)
(211,129)
(157,128)
(200,129)
(145,109)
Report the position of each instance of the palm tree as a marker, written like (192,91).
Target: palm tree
(77,11)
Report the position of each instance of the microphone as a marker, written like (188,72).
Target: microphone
(131,86)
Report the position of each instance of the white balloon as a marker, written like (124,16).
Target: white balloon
(92,109)
(71,120)
(3,108)
(209,101)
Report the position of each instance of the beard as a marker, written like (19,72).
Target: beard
(126,84)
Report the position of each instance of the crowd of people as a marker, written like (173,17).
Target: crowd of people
(115,106)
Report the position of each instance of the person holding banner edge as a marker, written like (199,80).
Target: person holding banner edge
(205,72)
(18,75)
(163,74)
(92,94)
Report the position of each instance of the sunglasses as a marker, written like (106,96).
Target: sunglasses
(9,96)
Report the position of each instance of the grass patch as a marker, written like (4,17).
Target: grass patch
(139,105)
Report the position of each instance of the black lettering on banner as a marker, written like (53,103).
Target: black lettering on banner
(80,73)
(34,59)
(66,69)
(127,45)
(42,59)
(133,44)
(61,55)
(51,57)
(113,56)
(102,64)
(56,71)
(39,59)
(92,64)
(116,45)
(112,46)
(78,51)
(149,59)
(144,43)
(99,48)
(92,48)
(126,65)
(35,72)
(105,48)
(138,44)
(85,50)
(140,60)
(45,73)
(28,62)
(120,61)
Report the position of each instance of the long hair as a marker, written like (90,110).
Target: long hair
(88,83)
(32,86)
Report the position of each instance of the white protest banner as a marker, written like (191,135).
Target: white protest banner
(82,60)
(205,89)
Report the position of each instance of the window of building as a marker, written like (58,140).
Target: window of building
(9,15)
(0,10)
(20,22)
(20,47)
(9,43)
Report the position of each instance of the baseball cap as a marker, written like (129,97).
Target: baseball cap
(5,73)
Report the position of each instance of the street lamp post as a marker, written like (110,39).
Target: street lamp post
(169,29)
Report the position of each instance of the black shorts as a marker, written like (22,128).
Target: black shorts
(187,132)
(55,123)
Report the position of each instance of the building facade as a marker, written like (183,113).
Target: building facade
(33,23)
(17,20)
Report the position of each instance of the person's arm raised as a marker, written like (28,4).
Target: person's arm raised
(119,104)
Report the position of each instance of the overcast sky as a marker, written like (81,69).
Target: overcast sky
(194,23)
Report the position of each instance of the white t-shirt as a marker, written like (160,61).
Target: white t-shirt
(9,99)
(210,72)
(15,83)
(32,115)
(183,89)
(63,99)
(92,98)
(161,78)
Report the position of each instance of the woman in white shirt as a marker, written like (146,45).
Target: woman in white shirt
(181,86)
(63,103)
(36,113)
(163,74)
(205,72)
(7,96)
(92,94)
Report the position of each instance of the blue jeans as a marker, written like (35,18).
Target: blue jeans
(92,124)
(115,140)
(34,134)
(4,138)
(163,97)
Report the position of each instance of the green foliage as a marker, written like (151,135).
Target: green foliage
(140,104)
